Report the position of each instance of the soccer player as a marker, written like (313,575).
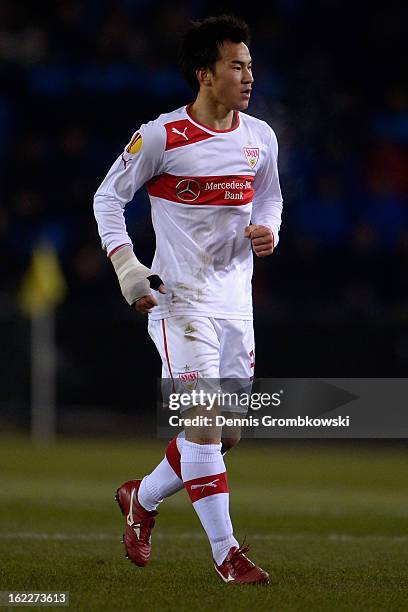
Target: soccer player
(211,174)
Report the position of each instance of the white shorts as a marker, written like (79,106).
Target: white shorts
(193,348)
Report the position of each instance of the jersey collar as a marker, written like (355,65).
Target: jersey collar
(236,125)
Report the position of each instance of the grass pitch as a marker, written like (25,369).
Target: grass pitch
(328,523)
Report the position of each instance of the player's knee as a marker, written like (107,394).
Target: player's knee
(228,443)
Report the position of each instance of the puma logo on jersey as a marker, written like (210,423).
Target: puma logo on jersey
(205,484)
(183,133)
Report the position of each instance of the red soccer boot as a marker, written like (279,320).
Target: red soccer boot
(238,569)
(139,523)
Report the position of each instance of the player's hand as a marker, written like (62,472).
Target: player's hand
(145,304)
(262,239)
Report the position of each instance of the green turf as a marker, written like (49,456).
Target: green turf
(329,524)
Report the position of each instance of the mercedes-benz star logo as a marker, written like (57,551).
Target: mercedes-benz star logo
(188,190)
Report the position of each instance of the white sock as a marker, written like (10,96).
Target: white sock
(162,482)
(205,479)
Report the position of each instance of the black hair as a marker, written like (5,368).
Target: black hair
(201,43)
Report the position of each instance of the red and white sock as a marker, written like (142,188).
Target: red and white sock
(205,479)
(165,480)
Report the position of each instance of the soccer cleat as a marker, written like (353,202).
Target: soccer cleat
(238,569)
(139,523)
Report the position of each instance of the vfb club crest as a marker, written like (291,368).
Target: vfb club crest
(252,155)
(189,379)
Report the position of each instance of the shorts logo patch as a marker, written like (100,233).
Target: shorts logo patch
(252,155)
(189,379)
(135,144)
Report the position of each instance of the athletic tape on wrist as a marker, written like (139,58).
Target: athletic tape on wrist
(135,279)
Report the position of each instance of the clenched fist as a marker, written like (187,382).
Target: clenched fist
(145,304)
(262,239)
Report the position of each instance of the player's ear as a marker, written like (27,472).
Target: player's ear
(203,76)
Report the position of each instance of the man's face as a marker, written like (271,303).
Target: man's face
(232,77)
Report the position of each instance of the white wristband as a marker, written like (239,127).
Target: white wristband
(132,275)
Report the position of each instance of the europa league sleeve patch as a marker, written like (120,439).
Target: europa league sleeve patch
(135,144)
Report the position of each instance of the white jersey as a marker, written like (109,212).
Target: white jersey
(205,186)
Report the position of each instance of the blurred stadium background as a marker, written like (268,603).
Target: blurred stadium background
(76,80)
